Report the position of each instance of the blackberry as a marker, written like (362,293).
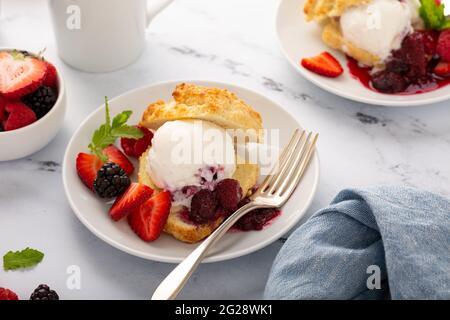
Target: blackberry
(43,292)
(203,206)
(111,181)
(228,193)
(41,101)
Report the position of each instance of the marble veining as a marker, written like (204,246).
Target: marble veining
(230,41)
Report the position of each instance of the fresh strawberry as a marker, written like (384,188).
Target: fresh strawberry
(324,64)
(443,45)
(6,294)
(149,219)
(19,116)
(131,199)
(136,147)
(442,69)
(87,168)
(117,156)
(21,74)
(51,77)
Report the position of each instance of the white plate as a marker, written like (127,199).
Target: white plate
(93,212)
(300,39)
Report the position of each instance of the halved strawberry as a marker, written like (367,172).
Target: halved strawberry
(51,77)
(149,219)
(136,147)
(87,168)
(324,64)
(19,116)
(118,157)
(442,69)
(131,199)
(20,74)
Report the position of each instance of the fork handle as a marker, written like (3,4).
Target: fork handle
(175,281)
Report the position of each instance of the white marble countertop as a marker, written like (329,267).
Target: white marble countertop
(232,41)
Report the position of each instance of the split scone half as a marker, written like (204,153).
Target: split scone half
(219,107)
(328,12)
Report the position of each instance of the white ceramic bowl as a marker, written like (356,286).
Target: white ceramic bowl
(19,143)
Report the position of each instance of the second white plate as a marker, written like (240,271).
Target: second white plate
(300,39)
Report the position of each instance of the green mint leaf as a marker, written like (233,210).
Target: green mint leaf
(121,118)
(98,152)
(102,137)
(446,24)
(22,259)
(432,14)
(127,132)
(107,133)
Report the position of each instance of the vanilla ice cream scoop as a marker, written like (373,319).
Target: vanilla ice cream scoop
(190,153)
(378,27)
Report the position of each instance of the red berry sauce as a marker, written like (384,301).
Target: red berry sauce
(362,74)
(410,69)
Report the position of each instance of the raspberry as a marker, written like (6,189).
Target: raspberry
(3,102)
(136,147)
(51,77)
(203,206)
(228,193)
(430,40)
(6,294)
(443,46)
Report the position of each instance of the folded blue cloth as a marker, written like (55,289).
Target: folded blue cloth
(392,238)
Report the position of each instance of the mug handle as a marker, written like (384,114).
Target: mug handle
(154,7)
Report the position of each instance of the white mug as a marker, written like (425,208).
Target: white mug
(102,35)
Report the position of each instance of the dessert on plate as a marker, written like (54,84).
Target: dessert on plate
(204,191)
(393,46)
(190,176)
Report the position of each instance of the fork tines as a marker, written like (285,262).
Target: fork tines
(291,165)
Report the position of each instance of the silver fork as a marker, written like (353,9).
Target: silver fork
(273,192)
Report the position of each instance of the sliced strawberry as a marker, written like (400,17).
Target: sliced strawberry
(19,116)
(51,77)
(149,219)
(442,69)
(443,45)
(21,74)
(324,64)
(131,199)
(117,156)
(6,294)
(136,147)
(87,168)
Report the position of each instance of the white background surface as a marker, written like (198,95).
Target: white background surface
(232,41)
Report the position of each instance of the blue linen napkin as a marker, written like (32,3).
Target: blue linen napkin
(403,232)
